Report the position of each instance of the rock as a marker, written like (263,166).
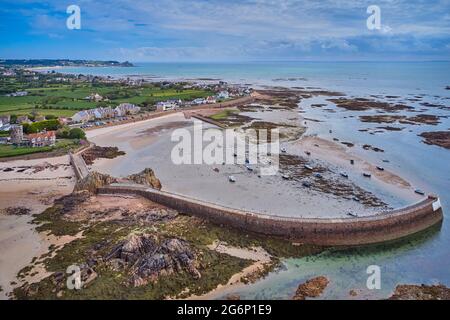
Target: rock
(93,181)
(70,202)
(423,292)
(17,211)
(97,152)
(146,177)
(312,288)
(148,259)
(353,293)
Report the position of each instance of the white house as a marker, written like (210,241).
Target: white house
(81,116)
(223,95)
(126,108)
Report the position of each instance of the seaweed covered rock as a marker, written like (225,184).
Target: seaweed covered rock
(423,292)
(312,288)
(70,202)
(146,177)
(96,152)
(93,181)
(150,259)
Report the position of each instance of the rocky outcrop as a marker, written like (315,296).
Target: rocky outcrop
(93,181)
(96,152)
(149,259)
(438,138)
(146,177)
(423,292)
(312,288)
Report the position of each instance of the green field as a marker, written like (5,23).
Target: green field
(65,100)
(13,151)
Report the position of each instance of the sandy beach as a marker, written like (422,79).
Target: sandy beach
(31,184)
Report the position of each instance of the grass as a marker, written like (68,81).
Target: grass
(223,115)
(65,100)
(13,151)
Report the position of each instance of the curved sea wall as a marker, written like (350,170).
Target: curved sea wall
(385,226)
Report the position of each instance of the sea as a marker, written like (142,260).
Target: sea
(421,259)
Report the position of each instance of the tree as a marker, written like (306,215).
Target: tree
(77,133)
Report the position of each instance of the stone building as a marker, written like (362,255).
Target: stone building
(16,134)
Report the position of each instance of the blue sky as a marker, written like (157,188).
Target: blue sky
(226,30)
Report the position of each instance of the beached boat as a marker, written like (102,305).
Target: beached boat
(318,175)
(351,214)
(306,184)
(418,191)
(283,150)
(249,168)
(286,177)
(367,175)
(344,174)
(231,179)
(308,167)
(380,168)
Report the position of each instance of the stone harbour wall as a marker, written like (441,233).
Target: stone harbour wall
(382,227)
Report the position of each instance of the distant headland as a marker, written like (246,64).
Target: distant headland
(32,63)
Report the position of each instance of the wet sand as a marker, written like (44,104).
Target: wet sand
(34,189)
(267,194)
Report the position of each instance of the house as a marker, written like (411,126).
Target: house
(199,101)
(81,116)
(94,97)
(45,138)
(223,95)
(124,109)
(18,94)
(103,113)
(23,119)
(6,119)
(211,99)
(168,105)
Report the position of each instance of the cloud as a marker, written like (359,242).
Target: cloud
(238,29)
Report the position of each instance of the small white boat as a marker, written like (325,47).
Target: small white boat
(380,168)
(344,174)
(308,167)
(249,168)
(286,177)
(351,214)
(367,175)
(231,179)
(283,150)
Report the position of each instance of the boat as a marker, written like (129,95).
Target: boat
(318,175)
(283,150)
(231,179)
(418,191)
(308,153)
(286,177)
(249,168)
(380,168)
(306,184)
(367,175)
(351,214)
(344,174)
(308,167)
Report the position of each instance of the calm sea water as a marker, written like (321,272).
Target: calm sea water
(421,259)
